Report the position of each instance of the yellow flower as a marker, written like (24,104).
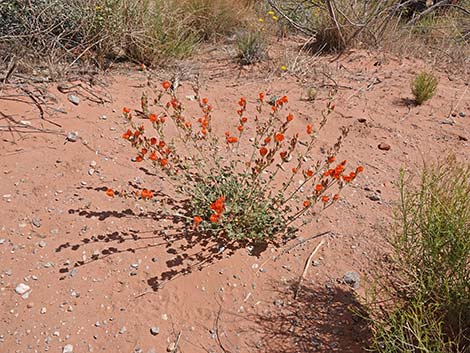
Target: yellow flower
(284,68)
(261,20)
(271,13)
(275,18)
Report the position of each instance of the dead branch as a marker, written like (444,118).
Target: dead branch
(307,265)
(294,24)
(429,10)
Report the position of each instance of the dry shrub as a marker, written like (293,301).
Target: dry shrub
(102,31)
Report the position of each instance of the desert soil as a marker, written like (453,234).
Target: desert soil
(93,264)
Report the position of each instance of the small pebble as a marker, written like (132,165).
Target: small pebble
(67,349)
(74,99)
(384,146)
(72,136)
(155,330)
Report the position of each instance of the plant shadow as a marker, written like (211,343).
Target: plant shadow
(320,319)
(190,249)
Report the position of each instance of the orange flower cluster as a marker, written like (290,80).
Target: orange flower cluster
(218,207)
(230,139)
(146,194)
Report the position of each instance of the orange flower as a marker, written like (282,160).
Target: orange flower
(309,173)
(127,135)
(282,100)
(163,119)
(144,151)
(325,199)
(126,110)
(163,162)
(146,194)
(283,154)
(261,96)
(187,124)
(244,119)
(110,192)
(289,118)
(263,151)
(204,101)
(197,220)
(309,129)
(240,128)
(307,203)
(166,84)
(331,159)
(359,169)
(294,170)
(267,140)
(318,187)
(136,133)
(218,205)
(336,197)
(232,139)
(242,102)
(153,141)
(139,159)
(153,156)
(279,137)
(214,218)
(227,133)
(161,144)
(152,118)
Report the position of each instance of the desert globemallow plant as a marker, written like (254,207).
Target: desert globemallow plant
(254,182)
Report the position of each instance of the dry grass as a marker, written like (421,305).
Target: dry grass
(66,33)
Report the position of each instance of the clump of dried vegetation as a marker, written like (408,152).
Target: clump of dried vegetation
(54,36)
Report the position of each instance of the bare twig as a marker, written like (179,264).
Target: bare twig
(332,13)
(428,11)
(307,265)
(291,22)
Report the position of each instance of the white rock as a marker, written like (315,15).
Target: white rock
(67,349)
(22,288)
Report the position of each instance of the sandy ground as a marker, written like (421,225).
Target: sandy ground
(92,262)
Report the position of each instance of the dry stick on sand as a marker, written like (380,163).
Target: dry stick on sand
(300,242)
(307,265)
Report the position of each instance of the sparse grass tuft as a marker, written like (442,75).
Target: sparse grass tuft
(430,292)
(424,87)
(251,47)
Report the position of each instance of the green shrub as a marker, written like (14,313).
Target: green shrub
(251,47)
(424,87)
(430,292)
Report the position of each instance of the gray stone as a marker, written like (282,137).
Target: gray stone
(352,279)
(74,99)
(42,244)
(155,330)
(374,197)
(72,136)
(462,114)
(36,222)
(123,330)
(68,348)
